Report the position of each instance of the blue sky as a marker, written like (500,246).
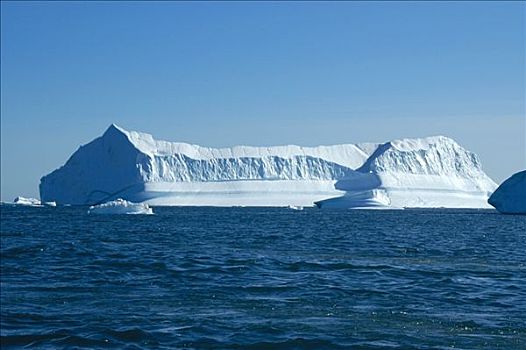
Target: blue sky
(259,73)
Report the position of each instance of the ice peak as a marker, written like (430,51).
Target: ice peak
(114,130)
(435,155)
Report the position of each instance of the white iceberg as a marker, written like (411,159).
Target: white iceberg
(120,206)
(27,201)
(510,196)
(427,172)
(50,204)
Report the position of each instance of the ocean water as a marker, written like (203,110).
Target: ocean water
(263,278)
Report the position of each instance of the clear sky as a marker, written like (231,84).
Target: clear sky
(259,73)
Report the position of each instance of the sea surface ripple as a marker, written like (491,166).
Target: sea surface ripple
(262,278)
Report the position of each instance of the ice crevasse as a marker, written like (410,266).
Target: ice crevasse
(423,172)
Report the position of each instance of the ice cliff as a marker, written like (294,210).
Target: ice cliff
(427,172)
(510,196)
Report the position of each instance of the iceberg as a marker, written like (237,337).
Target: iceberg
(426,172)
(120,206)
(27,201)
(510,196)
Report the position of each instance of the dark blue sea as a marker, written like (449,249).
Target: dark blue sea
(262,278)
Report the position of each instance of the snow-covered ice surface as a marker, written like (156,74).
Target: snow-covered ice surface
(427,172)
(26,201)
(510,196)
(120,206)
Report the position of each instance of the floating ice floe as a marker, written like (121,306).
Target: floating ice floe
(295,207)
(27,201)
(120,206)
(510,196)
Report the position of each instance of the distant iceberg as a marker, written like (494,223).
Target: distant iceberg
(295,207)
(510,196)
(427,172)
(26,201)
(120,206)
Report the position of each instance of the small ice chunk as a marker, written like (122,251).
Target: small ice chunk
(120,206)
(50,204)
(295,207)
(360,199)
(26,201)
